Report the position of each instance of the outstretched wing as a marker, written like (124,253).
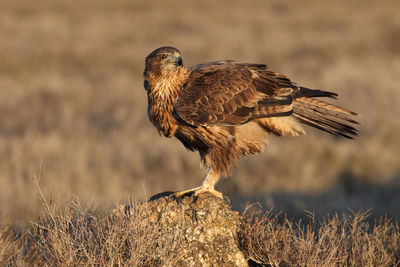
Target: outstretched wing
(225,92)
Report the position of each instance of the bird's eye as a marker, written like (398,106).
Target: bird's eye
(163,56)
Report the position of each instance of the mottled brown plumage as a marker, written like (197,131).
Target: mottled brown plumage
(225,109)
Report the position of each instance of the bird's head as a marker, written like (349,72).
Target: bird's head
(163,59)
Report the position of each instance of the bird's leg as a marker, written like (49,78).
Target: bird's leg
(208,184)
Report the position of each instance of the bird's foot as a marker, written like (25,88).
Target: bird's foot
(209,190)
(186,192)
(199,190)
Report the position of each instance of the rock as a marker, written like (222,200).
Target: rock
(201,230)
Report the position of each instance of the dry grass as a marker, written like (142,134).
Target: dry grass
(337,241)
(73,234)
(79,235)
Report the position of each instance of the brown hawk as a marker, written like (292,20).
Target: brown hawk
(225,109)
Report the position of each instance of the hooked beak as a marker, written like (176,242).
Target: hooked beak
(179,61)
(176,59)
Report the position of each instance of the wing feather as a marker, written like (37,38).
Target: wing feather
(225,92)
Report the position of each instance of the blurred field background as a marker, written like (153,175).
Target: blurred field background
(73,107)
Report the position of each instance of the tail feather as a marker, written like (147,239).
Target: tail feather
(319,126)
(327,108)
(324,122)
(322,115)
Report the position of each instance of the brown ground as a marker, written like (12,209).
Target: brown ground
(72,101)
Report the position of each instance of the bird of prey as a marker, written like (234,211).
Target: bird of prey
(225,109)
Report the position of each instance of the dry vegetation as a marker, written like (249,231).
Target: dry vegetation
(337,241)
(71,97)
(78,235)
